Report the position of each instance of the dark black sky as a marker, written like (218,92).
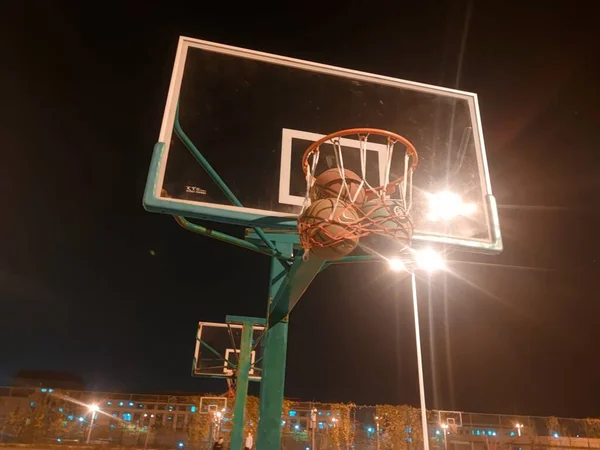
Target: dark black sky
(82,100)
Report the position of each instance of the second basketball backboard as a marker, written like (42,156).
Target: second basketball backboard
(217,349)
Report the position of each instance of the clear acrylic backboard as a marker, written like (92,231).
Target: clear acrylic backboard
(251,115)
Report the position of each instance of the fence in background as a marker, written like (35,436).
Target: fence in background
(46,416)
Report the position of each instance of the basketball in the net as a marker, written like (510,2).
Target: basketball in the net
(329,183)
(387,217)
(327,228)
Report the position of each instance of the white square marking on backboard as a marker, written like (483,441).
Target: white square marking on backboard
(287,135)
(228,352)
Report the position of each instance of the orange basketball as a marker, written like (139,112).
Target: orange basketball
(329,183)
(327,228)
(388,217)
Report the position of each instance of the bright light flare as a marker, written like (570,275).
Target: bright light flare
(430,260)
(397,265)
(447,205)
(94,408)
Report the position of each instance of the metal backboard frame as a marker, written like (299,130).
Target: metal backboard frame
(155,201)
(220,366)
(211,405)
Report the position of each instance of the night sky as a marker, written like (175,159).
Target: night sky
(92,284)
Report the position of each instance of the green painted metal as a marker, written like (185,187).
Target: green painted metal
(246,319)
(223,237)
(282,236)
(212,173)
(274,361)
(241,388)
(162,205)
(302,273)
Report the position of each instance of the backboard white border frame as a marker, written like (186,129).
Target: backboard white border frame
(288,135)
(228,352)
(199,373)
(207,400)
(249,216)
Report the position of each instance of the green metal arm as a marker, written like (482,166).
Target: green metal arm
(199,229)
(298,279)
(212,173)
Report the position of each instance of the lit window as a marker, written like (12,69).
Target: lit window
(127,417)
(130,403)
(121,403)
(192,408)
(292,413)
(109,403)
(32,404)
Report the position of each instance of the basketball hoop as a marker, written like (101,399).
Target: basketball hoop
(341,206)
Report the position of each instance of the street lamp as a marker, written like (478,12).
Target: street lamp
(93,410)
(445,432)
(313,422)
(445,206)
(430,261)
(396,264)
(518,427)
(377,428)
(148,428)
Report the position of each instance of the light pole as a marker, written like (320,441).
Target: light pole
(445,431)
(377,429)
(429,261)
(93,410)
(313,422)
(219,416)
(148,430)
(518,427)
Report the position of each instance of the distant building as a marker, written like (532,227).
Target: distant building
(48,379)
(168,420)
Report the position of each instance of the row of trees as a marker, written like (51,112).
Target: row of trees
(51,416)
(41,416)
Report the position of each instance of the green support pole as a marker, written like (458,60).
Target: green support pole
(241,387)
(273,368)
